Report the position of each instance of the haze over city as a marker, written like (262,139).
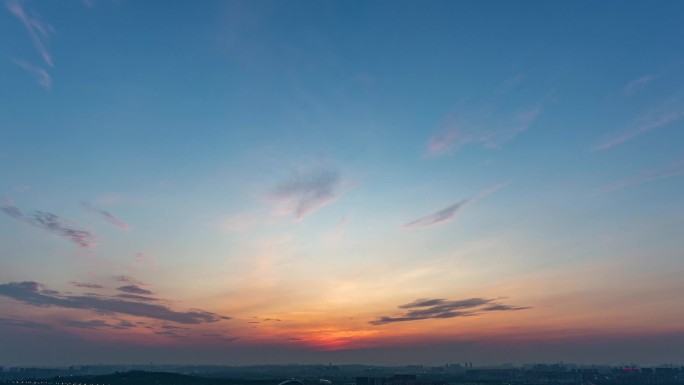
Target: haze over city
(383,182)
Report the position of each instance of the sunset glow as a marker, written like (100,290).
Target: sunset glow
(237,182)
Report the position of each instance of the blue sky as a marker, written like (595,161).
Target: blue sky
(232,156)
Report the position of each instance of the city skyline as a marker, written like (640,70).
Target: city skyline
(241,182)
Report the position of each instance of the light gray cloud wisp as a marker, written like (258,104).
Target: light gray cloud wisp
(305,192)
(449,213)
(486,128)
(653,118)
(41,76)
(53,224)
(106,215)
(38,31)
(441,216)
(672,170)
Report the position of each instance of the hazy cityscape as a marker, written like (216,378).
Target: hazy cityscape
(298,374)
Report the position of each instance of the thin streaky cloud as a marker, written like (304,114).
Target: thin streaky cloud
(672,170)
(41,76)
(134,289)
(653,118)
(442,142)
(127,278)
(635,85)
(53,224)
(16,322)
(449,213)
(489,129)
(38,31)
(87,285)
(90,324)
(106,215)
(97,324)
(438,217)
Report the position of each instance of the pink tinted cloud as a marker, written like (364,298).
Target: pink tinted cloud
(38,31)
(145,260)
(442,142)
(488,129)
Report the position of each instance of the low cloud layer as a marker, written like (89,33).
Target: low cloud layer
(439,308)
(52,223)
(106,215)
(97,324)
(35,294)
(21,323)
(305,192)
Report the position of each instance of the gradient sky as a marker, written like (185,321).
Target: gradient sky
(355,181)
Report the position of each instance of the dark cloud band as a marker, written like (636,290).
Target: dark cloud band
(438,308)
(34,294)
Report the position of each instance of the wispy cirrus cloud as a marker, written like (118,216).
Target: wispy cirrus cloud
(487,128)
(35,294)
(635,85)
(653,118)
(38,31)
(449,213)
(53,224)
(439,308)
(307,191)
(106,215)
(672,170)
(41,76)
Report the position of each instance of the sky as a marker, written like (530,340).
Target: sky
(385,182)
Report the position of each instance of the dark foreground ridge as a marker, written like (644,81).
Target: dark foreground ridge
(138,377)
(451,374)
